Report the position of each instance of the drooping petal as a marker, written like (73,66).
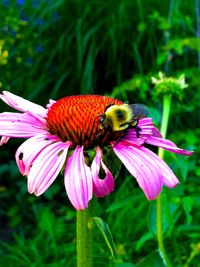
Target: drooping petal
(30,149)
(4,140)
(20,125)
(145,128)
(149,134)
(169,178)
(78,180)
(22,104)
(167,145)
(101,187)
(46,167)
(142,167)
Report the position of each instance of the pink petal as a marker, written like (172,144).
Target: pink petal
(145,122)
(167,145)
(4,140)
(46,167)
(169,178)
(142,167)
(156,132)
(131,137)
(104,186)
(19,125)
(51,102)
(22,104)
(146,129)
(78,180)
(150,135)
(30,149)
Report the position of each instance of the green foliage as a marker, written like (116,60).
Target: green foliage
(153,260)
(179,45)
(47,247)
(50,49)
(105,231)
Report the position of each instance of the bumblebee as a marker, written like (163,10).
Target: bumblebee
(121,117)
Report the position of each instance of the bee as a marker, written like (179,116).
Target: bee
(122,117)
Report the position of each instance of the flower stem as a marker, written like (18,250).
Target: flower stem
(164,125)
(165,120)
(84,235)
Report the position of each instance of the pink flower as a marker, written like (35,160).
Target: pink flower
(65,135)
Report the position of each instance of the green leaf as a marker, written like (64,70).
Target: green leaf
(146,237)
(187,205)
(152,260)
(127,199)
(105,230)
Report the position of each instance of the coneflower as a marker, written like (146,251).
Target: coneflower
(68,136)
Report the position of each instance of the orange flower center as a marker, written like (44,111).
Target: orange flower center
(76,119)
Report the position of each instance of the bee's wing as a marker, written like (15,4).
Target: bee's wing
(139,111)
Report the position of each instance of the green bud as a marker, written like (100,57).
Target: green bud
(169,85)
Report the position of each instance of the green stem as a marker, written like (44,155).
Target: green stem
(84,235)
(165,119)
(164,125)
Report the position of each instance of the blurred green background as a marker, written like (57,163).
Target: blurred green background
(50,49)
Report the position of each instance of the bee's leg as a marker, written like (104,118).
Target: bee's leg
(138,130)
(109,129)
(109,105)
(134,125)
(123,133)
(101,115)
(117,141)
(124,124)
